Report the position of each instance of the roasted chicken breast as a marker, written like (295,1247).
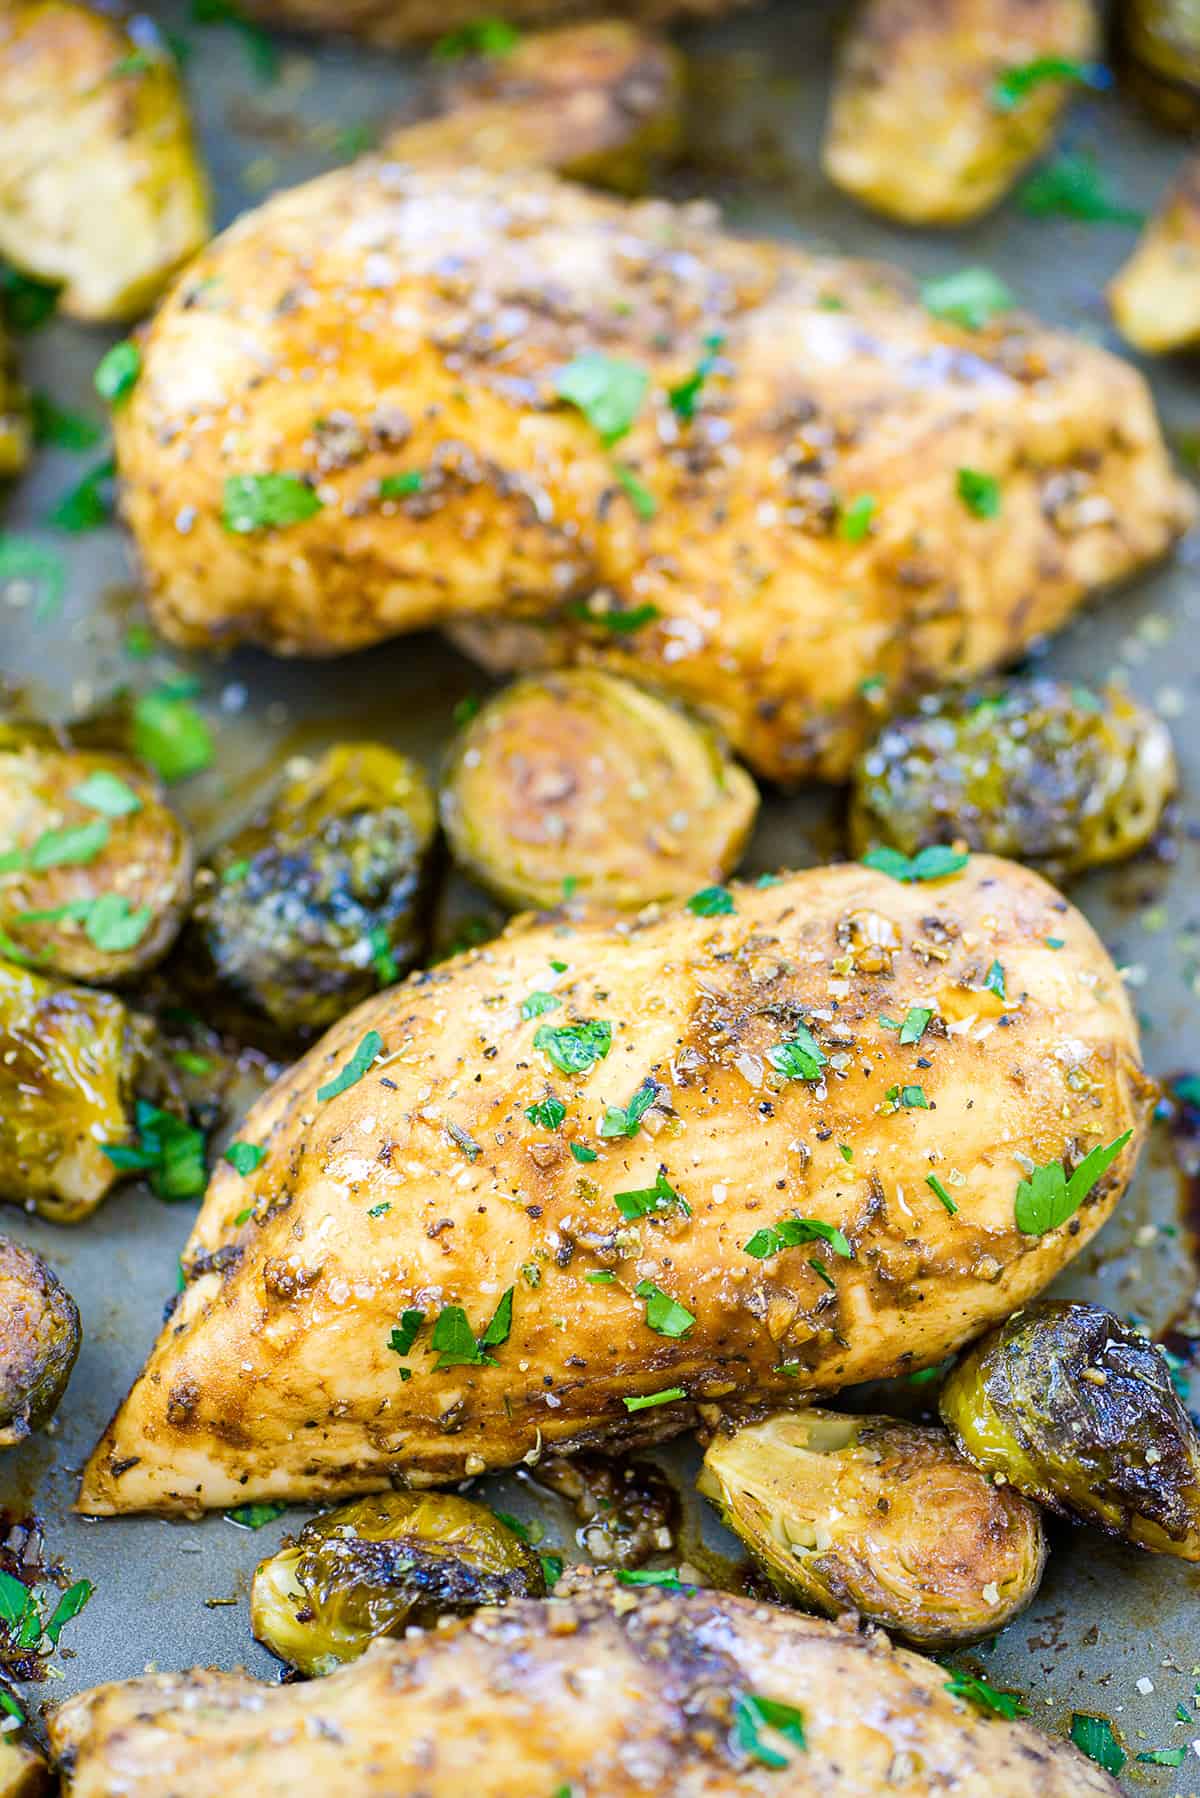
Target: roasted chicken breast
(396,397)
(602,1690)
(577,1184)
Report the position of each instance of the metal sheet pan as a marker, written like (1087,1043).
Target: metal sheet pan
(1112,1631)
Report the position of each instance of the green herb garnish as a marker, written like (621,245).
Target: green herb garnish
(801,1057)
(25,303)
(244,1157)
(645,1200)
(606,389)
(1047,1198)
(664,1315)
(685,393)
(643,1401)
(1016,84)
(913,1027)
(616,620)
(711,902)
(980,1692)
(253,1517)
(108,794)
(117,372)
(402,1338)
(575,1048)
(790,1232)
(400,486)
(56,428)
(267,502)
(626,1120)
(993,981)
(21,559)
(933,863)
(354,1069)
(89,503)
(534,1005)
(1094,1737)
(753,1714)
(939,1191)
(979,493)
(482,37)
(167,1148)
(169,733)
(643,503)
(581,1152)
(970,297)
(547,1114)
(1072,186)
(854,519)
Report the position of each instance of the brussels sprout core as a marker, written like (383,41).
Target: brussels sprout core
(39,1340)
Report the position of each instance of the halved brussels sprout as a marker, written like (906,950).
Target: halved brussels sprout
(321,900)
(371,1568)
(600,102)
(1162,45)
(39,1340)
(68,1059)
(582,778)
(1155,298)
(1072,1407)
(939,104)
(879,1517)
(95,870)
(103,195)
(1041,771)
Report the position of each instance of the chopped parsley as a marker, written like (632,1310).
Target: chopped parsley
(607,389)
(913,1027)
(167,1148)
(790,1232)
(266,502)
(616,620)
(666,1577)
(1165,1757)
(454,1340)
(56,428)
(970,297)
(626,1120)
(643,503)
(645,1200)
(547,1114)
(1017,83)
(244,1157)
(26,304)
(400,486)
(253,1517)
(88,504)
(685,393)
(644,1400)
(602,1277)
(1047,1198)
(72,847)
(664,1315)
(845,1151)
(993,981)
(552,1572)
(801,1057)
(711,902)
(581,1152)
(107,793)
(912,1098)
(109,922)
(169,733)
(482,37)
(939,1191)
(1056,942)
(978,1691)
(1071,185)
(1094,1737)
(933,863)
(383,962)
(575,1048)
(405,1334)
(354,1069)
(753,1714)
(854,519)
(117,372)
(979,493)
(534,1005)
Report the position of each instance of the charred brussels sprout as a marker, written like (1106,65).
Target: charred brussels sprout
(39,1340)
(1161,40)
(880,1517)
(582,778)
(373,1567)
(68,1060)
(95,871)
(321,901)
(1038,770)
(1073,1408)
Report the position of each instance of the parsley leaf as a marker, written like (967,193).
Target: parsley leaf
(970,297)
(854,519)
(980,1692)
(979,493)
(354,1069)
(752,1714)
(790,1232)
(913,1027)
(939,1191)
(88,505)
(59,429)
(117,372)
(993,981)
(167,1148)
(644,1400)
(547,1114)
(253,1517)
(68,1606)
(644,1200)
(500,1327)
(400,486)
(25,303)
(1017,83)
(801,1057)
(169,733)
(72,847)
(267,502)
(103,791)
(664,1315)
(1047,1198)
(244,1157)
(575,1048)
(581,1152)
(454,1340)
(1094,1737)
(534,1005)
(1071,186)
(711,902)
(626,1120)
(402,1339)
(616,620)
(685,393)
(482,37)
(607,389)
(933,863)
(646,507)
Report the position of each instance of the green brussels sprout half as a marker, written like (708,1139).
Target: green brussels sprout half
(68,1061)
(884,1518)
(39,1340)
(580,782)
(95,870)
(321,901)
(1075,1409)
(373,1567)
(1038,770)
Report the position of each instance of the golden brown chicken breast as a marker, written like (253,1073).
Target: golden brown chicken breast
(600,102)
(1155,297)
(391,22)
(939,104)
(397,397)
(602,1690)
(574,1184)
(100,188)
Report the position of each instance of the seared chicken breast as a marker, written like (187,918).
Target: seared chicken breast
(600,1691)
(397,397)
(592,1179)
